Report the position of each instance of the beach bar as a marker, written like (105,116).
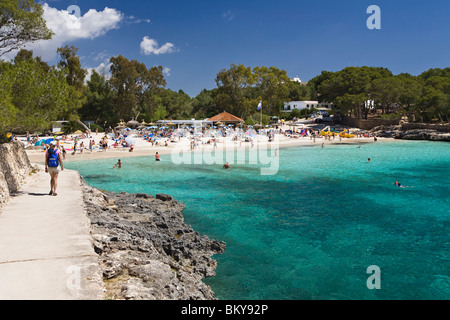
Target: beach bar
(226,118)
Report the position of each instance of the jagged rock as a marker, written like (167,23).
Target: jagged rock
(14,167)
(413,131)
(146,249)
(164,197)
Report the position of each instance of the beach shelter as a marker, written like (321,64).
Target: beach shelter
(226,119)
(121,125)
(133,123)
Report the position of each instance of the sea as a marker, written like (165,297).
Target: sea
(328,225)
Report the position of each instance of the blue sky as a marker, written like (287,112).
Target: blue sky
(196,39)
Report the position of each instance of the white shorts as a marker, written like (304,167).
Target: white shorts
(53,169)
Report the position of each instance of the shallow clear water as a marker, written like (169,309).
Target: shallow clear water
(312,230)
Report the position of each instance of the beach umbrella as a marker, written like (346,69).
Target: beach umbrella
(133,123)
(121,125)
(130,140)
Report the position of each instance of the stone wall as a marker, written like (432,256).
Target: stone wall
(367,124)
(14,167)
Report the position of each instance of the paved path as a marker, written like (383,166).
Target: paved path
(46,250)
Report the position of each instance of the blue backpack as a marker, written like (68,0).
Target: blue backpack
(52,160)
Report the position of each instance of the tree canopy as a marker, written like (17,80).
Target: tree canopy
(21,22)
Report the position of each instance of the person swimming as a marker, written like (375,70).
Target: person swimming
(118,164)
(226,166)
(398,184)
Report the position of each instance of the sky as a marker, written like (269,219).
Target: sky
(193,40)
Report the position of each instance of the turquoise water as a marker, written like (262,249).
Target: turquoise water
(312,230)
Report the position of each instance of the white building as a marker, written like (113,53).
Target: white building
(58,126)
(300,105)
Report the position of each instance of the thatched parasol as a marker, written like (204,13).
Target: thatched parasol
(133,123)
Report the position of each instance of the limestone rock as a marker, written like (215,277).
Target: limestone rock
(14,167)
(146,249)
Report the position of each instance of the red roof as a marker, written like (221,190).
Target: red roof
(225,117)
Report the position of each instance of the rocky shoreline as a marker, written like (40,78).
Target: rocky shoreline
(146,250)
(412,131)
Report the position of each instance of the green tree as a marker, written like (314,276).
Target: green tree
(233,85)
(386,93)
(299,92)
(353,82)
(273,87)
(434,103)
(24,54)
(177,104)
(70,62)
(8,111)
(39,96)
(136,86)
(203,105)
(21,22)
(99,105)
(351,102)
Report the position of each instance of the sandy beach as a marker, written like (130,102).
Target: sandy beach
(143,147)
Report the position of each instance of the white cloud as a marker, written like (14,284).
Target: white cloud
(166,71)
(150,46)
(103,69)
(133,20)
(228,15)
(67,27)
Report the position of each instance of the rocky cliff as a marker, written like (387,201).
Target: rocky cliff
(414,131)
(14,168)
(146,250)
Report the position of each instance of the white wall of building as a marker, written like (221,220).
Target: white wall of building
(300,105)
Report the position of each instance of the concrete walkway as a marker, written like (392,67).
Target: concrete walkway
(46,250)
